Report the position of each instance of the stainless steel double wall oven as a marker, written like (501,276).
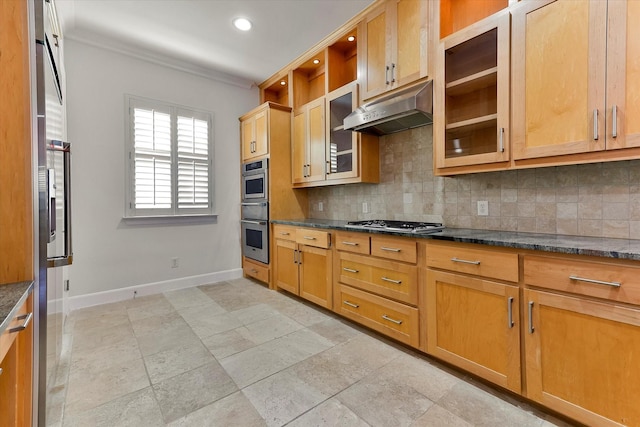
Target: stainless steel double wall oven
(255,210)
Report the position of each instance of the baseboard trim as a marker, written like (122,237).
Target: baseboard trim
(115,295)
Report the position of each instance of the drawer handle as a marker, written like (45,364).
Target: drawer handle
(350,304)
(390,249)
(386,279)
(350,243)
(254,271)
(397,322)
(597,282)
(309,238)
(464,261)
(284,233)
(510,312)
(350,270)
(0,371)
(531,328)
(22,327)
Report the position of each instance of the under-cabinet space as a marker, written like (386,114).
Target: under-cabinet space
(309,80)
(342,61)
(278,91)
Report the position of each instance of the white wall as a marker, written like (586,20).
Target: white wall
(110,254)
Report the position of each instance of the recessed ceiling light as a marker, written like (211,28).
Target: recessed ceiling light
(316,61)
(283,83)
(351,38)
(243,24)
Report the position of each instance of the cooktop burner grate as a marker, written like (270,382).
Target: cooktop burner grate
(398,226)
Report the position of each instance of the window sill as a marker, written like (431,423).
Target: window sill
(170,219)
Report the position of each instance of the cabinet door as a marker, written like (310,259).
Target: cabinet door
(409,62)
(472,108)
(298,147)
(342,146)
(473,323)
(316,141)
(583,358)
(315,275)
(623,74)
(375,53)
(261,137)
(558,88)
(286,265)
(248,136)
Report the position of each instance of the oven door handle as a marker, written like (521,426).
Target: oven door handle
(253,204)
(246,221)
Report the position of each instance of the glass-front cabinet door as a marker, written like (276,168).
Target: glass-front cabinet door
(342,145)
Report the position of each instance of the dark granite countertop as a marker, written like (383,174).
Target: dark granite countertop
(12,296)
(594,246)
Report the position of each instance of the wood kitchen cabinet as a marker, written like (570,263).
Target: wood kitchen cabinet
(456,15)
(394,46)
(576,81)
(472,98)
(308,143)
(16,368)
(303,263)
(254,135)
(472,320)
(376,284)
(583,353)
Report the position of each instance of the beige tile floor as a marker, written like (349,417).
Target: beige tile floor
(236,354)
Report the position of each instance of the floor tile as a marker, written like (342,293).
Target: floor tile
(178,334)
(436,416)
(335,330)
(189,297)
(176,360)
(188,392)
(195,313)
(329,413)
(88,389)
(149,306)
(483,409)
(234,410)
(103,357)
(282,397)
(158,323)
(137,409)
(254,313)
(298,345)
(206,325)
(99,339)
(227,343)
(270,328)
(301,312)
(252,365)
(382,401)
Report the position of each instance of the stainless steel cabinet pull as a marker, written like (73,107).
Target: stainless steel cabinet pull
(0,371)
(253,204)
(27,320)
(501,141)
(386,75)
(531,328)
(309,238)
(299,257)
(327,170)
(614,119)
(295,257)
(350,304)
(350,270)
(254,271)
(386,279)
(464,261)
(350,243)
(284,233)
(390,249)
(393,73)
(510,312)
(595,125)
(397,322)
(597,282)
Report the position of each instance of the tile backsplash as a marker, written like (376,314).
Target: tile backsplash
(601,199)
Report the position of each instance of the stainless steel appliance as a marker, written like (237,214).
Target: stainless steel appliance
(255,180)
(408,227)
(54,252)
(255,210)
(406,109)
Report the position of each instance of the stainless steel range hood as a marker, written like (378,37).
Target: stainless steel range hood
(407,109)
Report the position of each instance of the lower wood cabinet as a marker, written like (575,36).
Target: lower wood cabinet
(16,367)
(303,263)
(257,270)
(473,323)
(583,358)
(391,318)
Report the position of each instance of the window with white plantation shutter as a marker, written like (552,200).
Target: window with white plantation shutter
(170,165)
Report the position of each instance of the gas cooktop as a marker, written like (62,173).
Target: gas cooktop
(397,226)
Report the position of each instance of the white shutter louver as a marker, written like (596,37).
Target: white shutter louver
(193,163)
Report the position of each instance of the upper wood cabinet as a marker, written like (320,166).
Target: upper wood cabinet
(308,143)
(394,46)
(576,81)
(254,135)
(471,111)
(456,15)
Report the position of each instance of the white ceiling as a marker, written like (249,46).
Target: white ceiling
(197,35)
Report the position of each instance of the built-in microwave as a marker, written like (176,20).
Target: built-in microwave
(255,180)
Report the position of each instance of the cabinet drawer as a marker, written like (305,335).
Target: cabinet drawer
(612,281)
(473,259)
(397,249)
(310,237)
(7,338)
(391,318)
(387,278)
(353,242)
(285,232)
(255,270)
